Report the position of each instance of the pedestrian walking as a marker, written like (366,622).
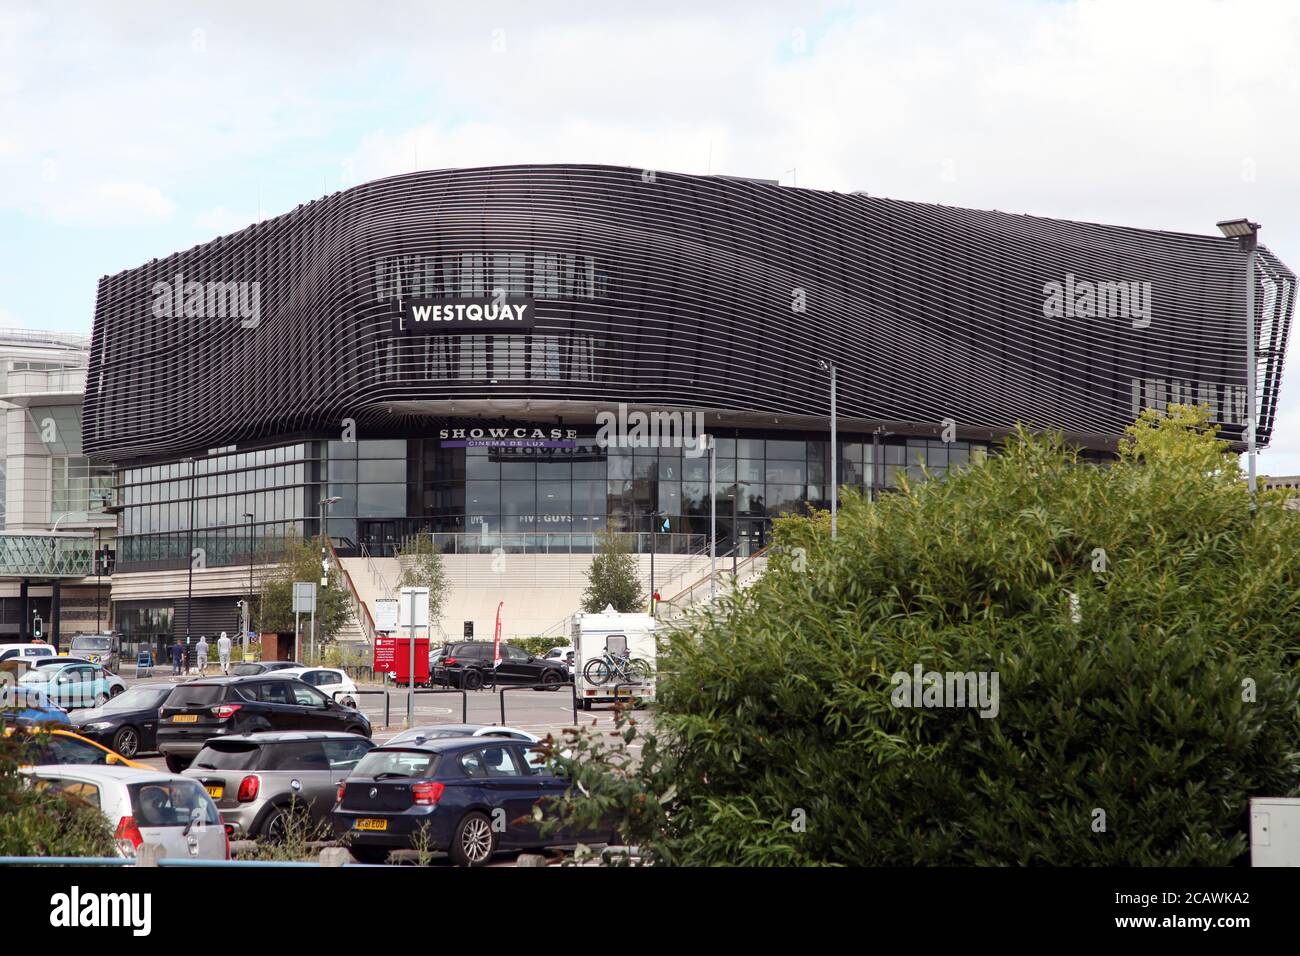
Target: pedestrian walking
(223,652)
(186,653)
(201,650)
(177,656)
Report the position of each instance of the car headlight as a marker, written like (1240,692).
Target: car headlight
(98,725)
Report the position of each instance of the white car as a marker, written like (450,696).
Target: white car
(144,806)
(435,731)
(561,654)
(330,681)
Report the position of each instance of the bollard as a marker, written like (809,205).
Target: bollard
(149,854)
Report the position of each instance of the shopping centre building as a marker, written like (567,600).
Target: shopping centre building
(439,351)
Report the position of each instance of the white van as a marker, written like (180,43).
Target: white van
(608,636)
(24,652)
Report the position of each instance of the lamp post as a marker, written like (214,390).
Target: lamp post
(713,516)
(655,514)
(248,606)
(189,556)
(829,366)
(1247,235)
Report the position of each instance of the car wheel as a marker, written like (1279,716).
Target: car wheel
(349,702)
(101,700)
(114,691)
(176,764)
(584,703)
(374,855)
(550,681)
(474,842)
(127,741)
(472,679)
(275,827)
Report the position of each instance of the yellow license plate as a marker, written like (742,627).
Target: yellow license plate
(365,824)
(215,792)
(185,719)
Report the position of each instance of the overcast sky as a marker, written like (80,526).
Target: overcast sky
(129,130)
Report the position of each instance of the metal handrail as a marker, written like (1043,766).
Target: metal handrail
(359,608)
(672,603)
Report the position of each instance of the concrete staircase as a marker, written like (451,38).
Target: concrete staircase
(538,589)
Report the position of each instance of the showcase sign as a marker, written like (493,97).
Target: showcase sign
(483,315)
(506,437)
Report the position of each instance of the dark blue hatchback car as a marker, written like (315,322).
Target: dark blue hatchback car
(466,794)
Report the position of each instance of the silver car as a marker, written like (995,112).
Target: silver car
(259,780)
(144,806)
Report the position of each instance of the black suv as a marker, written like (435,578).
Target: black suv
(219,706)
(468,663)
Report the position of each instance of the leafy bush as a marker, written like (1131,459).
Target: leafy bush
(44,822)
(538,646)
(1141,621)
(299,560)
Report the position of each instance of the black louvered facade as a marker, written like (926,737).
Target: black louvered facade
(668,290)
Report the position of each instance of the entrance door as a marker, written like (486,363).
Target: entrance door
(379,537)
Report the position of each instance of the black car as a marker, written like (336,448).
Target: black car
(468,797)
(128,723)
(253,668)
(220,706)
(468,663)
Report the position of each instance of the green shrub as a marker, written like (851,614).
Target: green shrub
(538,646)
(1141,619)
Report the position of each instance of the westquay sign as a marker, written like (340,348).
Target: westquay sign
(482,315)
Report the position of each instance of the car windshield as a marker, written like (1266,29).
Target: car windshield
(396,763)
(195,695)
(171,803)
(139,698)
(91,643)
(228,755)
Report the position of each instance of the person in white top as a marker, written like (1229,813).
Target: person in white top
(223,652)
(201,653)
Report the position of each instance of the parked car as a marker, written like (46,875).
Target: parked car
(330,681)
(253,668)
(26,652)
(469,796)
(41,662)
(129,722)
(464,665)
(31,705)
(562,654)
(103,649)
(258,780)
(75,685)
(55,745)
(439,731)
(145,806)
(211,707)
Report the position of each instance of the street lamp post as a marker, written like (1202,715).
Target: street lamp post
(1247,235)
(829,366)
(189,556)
(248,606)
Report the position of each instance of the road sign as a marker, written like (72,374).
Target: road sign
(304,597)
(386,614)
(414,601)
(469,630)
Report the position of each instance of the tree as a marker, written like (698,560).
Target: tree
(299,560)
(422,567)
(1139,618)
(612,577)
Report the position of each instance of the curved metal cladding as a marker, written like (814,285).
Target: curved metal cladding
(672,290)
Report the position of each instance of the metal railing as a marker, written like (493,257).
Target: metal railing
(359,609)
(563,542)
(679,603)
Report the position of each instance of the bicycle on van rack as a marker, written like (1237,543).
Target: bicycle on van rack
(619,668)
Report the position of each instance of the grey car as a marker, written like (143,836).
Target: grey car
(258,780)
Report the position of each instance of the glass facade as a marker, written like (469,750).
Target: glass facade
(542,499)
